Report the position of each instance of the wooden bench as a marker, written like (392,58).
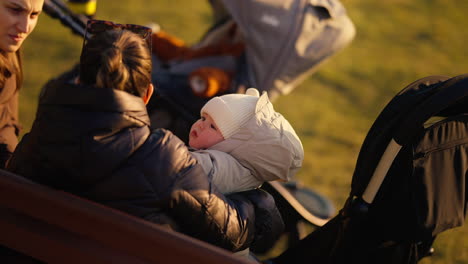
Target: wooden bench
(57,227)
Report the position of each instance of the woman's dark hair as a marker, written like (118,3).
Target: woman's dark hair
(10,64)
(117,59)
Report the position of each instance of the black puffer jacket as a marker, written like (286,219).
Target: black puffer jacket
(96,143)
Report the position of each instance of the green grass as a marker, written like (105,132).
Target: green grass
(397,42)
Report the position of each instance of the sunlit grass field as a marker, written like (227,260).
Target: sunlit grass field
(397,42)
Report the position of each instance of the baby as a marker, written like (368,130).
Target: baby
(241,142)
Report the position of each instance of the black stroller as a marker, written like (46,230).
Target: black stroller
(409,184)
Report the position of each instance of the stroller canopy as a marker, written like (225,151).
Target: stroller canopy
(286,39)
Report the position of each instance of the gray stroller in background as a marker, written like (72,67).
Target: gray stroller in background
(285,42)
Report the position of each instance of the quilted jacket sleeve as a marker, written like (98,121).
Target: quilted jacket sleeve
(234,222)
(213,218)
(201,211)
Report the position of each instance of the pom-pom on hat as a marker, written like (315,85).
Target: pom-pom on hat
(231,111)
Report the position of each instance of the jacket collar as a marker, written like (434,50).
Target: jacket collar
(95,99)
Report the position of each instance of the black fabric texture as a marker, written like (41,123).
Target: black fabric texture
(423,194)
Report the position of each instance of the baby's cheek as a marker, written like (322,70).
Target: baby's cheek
(192,127)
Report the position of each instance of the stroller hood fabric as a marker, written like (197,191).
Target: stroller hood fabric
(285,39)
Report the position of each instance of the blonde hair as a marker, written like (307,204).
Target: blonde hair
(10,64)
(117,59)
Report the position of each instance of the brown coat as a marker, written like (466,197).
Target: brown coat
(9,125)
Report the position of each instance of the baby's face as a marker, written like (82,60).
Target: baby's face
(204,133)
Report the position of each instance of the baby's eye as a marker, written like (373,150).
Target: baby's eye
(213,127)
(202,118)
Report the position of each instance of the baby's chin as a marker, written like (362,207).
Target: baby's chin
(196,145)
(191,142)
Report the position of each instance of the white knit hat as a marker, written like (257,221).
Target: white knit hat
(231,111)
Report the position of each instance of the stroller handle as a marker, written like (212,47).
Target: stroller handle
(58,10)
(381,170)
(452,92)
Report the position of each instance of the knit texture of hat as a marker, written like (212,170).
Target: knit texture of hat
(231,111)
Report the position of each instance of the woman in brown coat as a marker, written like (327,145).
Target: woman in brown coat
(17,20)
